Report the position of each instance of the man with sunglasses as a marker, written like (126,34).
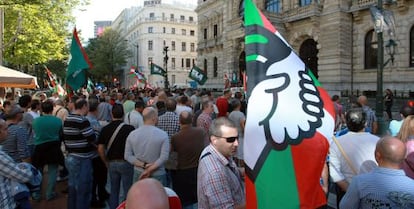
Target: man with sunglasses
(219,182)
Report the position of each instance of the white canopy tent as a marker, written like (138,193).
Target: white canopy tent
(12,78)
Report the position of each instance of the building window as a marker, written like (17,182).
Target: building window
(273,6)
(215,30)
(188,62)
(371,47)
(173,63)
(172,30)
(171,17)
(182,18)
(192,32)
(172,45)
(412,47)
(205,33)
(205,66)
(304,2)
(192,47)
(152,16)
(182,62)
(163,30)
(150,29)
(191,19)
(215,67)
(149,61)
(150,45)
(164,43)
(183,32)
(193,61)
(183,46)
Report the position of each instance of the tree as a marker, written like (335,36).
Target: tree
(107,53)
(36,32)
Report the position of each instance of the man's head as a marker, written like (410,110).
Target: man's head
(42,97)
(93,104)
(150,116)
(224,136)
(186,118)
(355,119)
(25,101)
(35,105)
(47,106)
(362,100)
(208,106)
(15,113)
(227,93)
(147,194)
(390,152)
(119,96)
(170,105)
(406,110)
(131,96)
(3,130)
(81,106)
(117,111)
(139,106)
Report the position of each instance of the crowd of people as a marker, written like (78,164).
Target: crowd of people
(188,143)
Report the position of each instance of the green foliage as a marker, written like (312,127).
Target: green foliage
(108,53)
(35,31)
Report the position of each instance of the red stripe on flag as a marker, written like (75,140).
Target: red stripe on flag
(85,56)
(251,199)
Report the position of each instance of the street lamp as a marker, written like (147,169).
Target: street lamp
(390,48)
(165,65)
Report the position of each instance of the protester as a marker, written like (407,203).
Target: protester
(79,137)
(223,103)
(204,120)
(134,117)
(111,149)
(219,182)
(406,135)
(371,119)
(147,194)
(386,186)
(147,148)
(395,125)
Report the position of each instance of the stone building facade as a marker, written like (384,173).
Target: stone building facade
(151,28)
(334,38)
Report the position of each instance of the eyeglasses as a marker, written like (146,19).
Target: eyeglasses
(229,139)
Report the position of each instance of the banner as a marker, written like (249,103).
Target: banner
(197,75)
(157,70)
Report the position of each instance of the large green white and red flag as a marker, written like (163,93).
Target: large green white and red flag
(78,64)
(289,119)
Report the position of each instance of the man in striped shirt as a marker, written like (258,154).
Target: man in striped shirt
(78,138)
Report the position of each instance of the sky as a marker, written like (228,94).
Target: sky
(99,10)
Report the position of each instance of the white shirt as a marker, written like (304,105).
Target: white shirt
(181,108)
(360,148)
(134,118)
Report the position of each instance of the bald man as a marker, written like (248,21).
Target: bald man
(147,148)
(386,186)
(372,123)
(147,194)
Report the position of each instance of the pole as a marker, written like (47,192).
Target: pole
(166,67)
(379,108)
(1,34)
(137,56)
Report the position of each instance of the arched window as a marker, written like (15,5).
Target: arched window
(273,6)
(308,52)
(304,2)
(215,67)
(205,66)
(412,47)
(371,53)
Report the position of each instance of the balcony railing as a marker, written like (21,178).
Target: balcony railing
(303,12)
(362,4)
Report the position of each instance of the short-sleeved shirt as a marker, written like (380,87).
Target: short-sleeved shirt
(117,149)
(219,183)
(237,116)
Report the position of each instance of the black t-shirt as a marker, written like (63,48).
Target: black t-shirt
(117,149)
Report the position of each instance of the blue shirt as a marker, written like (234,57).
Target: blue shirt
(382,188)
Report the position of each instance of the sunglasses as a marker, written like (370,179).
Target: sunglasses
(229,139)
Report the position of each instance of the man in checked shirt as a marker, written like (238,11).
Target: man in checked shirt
(9,171)
(219,181)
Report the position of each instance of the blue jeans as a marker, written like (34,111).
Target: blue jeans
(162,178)
(119,172)
(79,182)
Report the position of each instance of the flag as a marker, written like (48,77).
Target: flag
(289,119)
(137,73)
(155,69)
(55,85)
(197,75)
(78,64)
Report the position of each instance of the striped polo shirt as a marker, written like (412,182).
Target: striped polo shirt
(79,136)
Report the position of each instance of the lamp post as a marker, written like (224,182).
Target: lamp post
(390,48)
(166,68)
(137,55)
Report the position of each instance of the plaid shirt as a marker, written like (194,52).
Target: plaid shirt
(204,121)
(10,170)
(169,122)
(219,182)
